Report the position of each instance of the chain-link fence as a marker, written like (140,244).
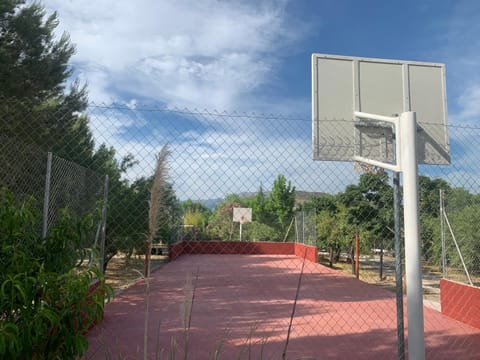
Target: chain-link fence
(223,160)
(460,246)
(305,227)
(23,169)
(54,185)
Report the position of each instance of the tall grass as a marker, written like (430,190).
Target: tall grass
(154,206)
(187,309)
(155,202)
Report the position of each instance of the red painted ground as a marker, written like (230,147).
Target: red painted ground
(242,297)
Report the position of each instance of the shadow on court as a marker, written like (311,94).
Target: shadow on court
(241,308)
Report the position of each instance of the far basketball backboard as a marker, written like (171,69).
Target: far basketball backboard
(342,85)
(242,215)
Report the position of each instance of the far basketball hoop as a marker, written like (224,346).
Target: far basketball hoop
(242,215)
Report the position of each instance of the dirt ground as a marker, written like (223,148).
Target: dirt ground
(369,273)
(121,271)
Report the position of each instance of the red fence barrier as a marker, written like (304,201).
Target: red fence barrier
(460,302)
(247,248)
(309,252)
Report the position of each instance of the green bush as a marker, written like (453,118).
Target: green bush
(46,299)
(260,232)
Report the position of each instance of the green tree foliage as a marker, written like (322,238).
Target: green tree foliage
(334,232)
(36,108)
(170,215)
(194,206)
(259,205)
(46,304)
(39,107)
(366,208)
(271,213)
(194,218)
(127,216)
(126,230)
(257,231)
(326,202)
(196,215)
(33,78)
(429,195)
(429,208)
(34,64)
(370,206)
(466,226)
(281,202)
(462,209)
(457,198)
(264,225)
(127,204)
(221,226)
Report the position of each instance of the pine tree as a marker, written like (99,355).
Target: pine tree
(282,201)
(36,107)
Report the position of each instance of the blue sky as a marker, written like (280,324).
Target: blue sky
(255,56)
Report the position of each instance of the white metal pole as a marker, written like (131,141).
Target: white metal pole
(413,269)
(397,205)
(240,231)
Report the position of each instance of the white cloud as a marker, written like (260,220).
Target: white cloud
(205,54)
(469,104)
(236,167)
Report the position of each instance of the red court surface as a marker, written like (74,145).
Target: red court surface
(241,310)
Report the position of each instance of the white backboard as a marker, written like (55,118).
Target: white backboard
(342,85)
(242,215)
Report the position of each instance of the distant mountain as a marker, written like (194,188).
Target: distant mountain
(304,196)
(211,203)
(301,197)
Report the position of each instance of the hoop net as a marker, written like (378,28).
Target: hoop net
(361,167)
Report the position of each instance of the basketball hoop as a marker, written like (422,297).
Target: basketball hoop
(364,93)
(242,215)
(360,167)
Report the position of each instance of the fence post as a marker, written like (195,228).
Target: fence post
(303,227)
(357,255)
(442,235)
(104,225)
(46,198)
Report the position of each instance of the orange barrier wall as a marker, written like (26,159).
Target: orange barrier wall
(247,248)
(307,251)
(460,302)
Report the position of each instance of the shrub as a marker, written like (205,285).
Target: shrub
(46,301)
